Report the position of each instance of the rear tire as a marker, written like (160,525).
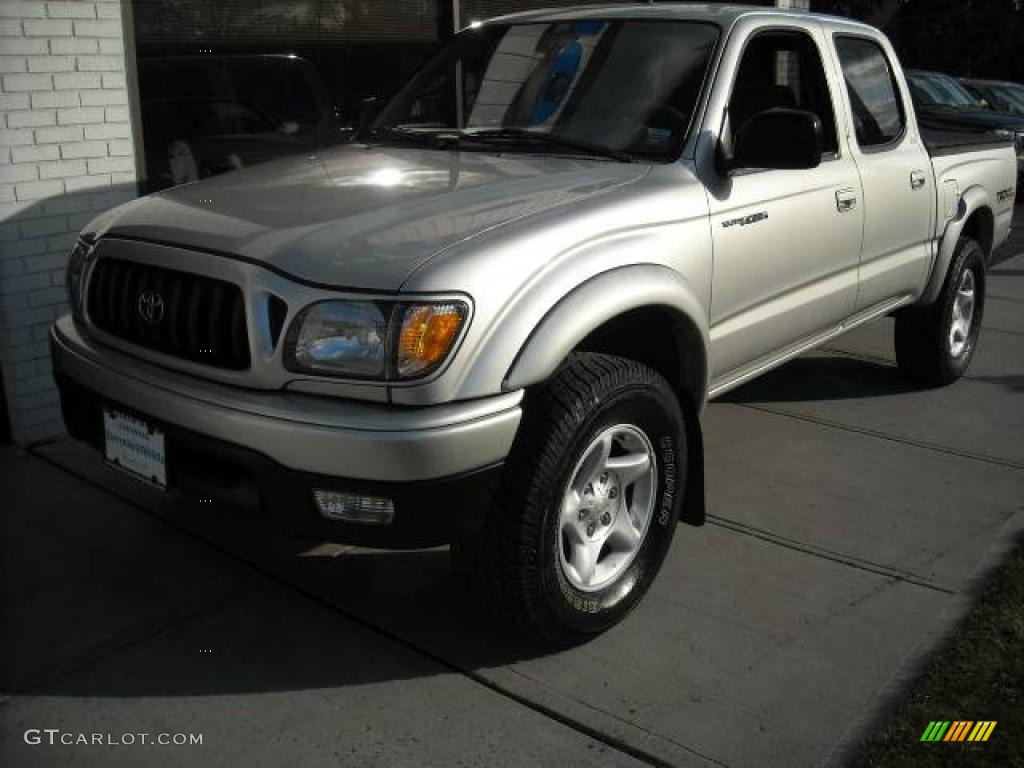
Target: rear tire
(581,523)
(935,344)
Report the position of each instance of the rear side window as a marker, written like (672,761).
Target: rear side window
(874,98)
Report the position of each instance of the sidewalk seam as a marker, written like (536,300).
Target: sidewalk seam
(850,561)
(993,460)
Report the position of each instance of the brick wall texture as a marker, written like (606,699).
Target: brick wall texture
(66,154)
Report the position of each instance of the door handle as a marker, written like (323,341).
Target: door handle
(846,200)
(917,179)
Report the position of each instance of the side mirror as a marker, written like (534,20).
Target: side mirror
(778,139)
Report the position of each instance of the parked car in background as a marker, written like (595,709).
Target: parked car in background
(998,94)
(943,103)
(495,318)
(204,115)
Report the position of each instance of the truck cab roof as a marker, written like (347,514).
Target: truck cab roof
(724,15)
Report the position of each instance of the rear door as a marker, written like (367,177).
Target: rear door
(895,172)
(786,242)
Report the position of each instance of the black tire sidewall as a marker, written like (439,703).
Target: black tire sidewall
(657,414)
(969,255)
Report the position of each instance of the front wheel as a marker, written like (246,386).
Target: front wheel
(935,344)
(589,503)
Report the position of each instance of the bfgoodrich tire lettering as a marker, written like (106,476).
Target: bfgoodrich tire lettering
(512,565)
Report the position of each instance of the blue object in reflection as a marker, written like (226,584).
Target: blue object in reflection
(335,348)
(557,83)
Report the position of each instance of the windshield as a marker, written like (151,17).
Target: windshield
(624,89)
(941,91)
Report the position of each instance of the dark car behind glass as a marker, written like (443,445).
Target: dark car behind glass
(943,103)
(203,115)
(1000,95)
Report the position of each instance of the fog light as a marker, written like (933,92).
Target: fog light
(353,508)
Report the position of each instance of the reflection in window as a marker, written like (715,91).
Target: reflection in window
(628,86)
(877,112)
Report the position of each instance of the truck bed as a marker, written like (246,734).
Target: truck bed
(946,140)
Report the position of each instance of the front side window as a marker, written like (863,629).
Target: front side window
(621,88)
(877,111)
(783,69)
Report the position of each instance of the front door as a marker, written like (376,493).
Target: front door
(786,242)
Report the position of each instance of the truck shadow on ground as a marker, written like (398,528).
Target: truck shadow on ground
(267,613)
(1010,383)
(821,376)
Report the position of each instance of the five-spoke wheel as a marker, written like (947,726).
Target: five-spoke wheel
(607,507)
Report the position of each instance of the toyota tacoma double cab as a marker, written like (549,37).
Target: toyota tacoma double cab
(493,319)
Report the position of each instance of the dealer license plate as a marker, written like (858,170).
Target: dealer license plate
(135,446)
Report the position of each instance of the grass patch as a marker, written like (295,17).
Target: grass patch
(977,675)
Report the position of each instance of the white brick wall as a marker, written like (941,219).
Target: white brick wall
(66,154)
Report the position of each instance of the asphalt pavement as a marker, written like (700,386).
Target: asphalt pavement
(851,517)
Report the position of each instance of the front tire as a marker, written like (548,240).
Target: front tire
(935,344)
(589,503)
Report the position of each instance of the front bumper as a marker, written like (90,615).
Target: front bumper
(438,464)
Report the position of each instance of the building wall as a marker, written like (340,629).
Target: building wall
(66,154)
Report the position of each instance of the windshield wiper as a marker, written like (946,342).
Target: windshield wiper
(525,136)
(409,136)
(450,139)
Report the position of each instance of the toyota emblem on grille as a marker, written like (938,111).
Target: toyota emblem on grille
(151,306)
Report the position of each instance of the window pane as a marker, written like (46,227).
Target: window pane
(783,69)
(624,85)
(877,111)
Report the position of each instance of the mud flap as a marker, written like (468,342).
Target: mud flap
(693,509)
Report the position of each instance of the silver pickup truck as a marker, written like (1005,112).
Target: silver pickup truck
(495,317)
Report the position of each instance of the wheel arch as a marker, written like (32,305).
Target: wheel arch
(646,301)
(975,218)
(614,303)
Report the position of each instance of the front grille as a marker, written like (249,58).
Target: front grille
(177,313)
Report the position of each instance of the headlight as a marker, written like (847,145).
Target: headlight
(343,338)
(374,340)
(74,278)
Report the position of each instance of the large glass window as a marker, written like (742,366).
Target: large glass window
(782,70)
(877,112)
(226,84)
(622,88)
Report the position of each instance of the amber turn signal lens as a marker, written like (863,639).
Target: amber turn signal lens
(428,332)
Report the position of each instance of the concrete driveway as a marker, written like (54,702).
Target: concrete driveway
(850,516)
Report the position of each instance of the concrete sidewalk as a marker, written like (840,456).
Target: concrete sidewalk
(849,515)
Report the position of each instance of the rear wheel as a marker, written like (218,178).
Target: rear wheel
(935,344)
(589,503)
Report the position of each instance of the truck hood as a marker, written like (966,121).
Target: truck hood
(358,216)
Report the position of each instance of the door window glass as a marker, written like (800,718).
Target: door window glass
(874,99)
(783,69)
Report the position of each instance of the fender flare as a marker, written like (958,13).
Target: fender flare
(971,200)
(595,302)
